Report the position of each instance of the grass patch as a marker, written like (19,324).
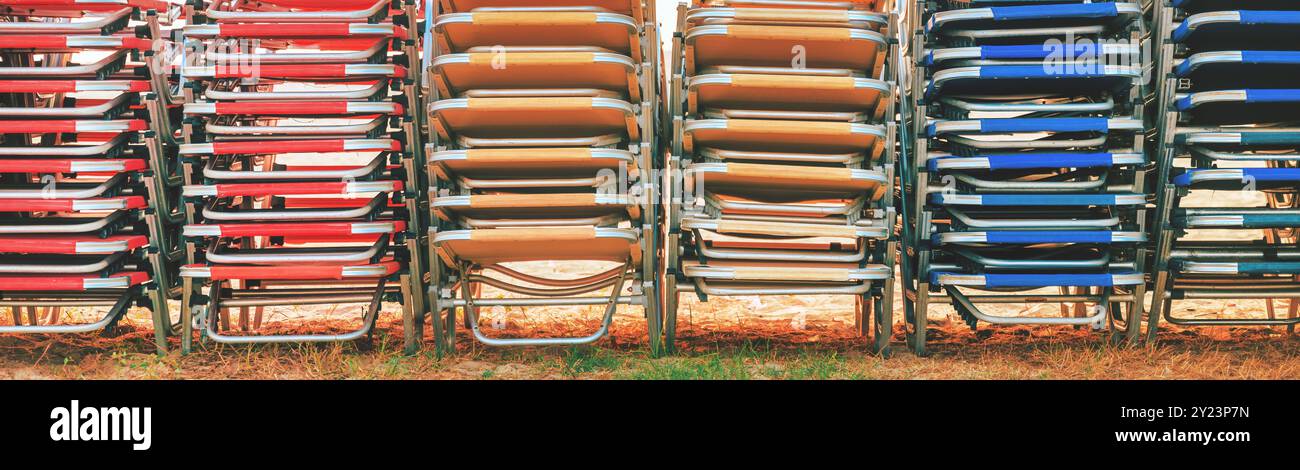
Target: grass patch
(580,360)
(712,367)
(816,366)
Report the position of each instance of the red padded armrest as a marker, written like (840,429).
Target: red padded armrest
(71,86)
(77,283)
(285,189)
(310,71)
(302,30)
(295,146)
(85,166)
(73,42)
(71,125)
(282,229)
(67,205)
(297,272)
(70,244)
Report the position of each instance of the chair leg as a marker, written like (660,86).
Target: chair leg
(161,319)
(861,316)
(654,321)
(671,302)
(1159,305)
(187,315)
(1133,328)
(1291,308)
(882,322)
(919,321)
(412,321)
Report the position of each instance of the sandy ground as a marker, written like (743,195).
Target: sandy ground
(717,343)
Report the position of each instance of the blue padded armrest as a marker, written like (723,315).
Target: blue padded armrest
(1241,138)
(1061,51)
(1273,174)
(1270,57)
(1098,76)
(1045,280)
(1236,221)
(1059,11)
(1283,17)
(1045,125)
(1005,200)
(1038,51)
(1269,267)
(1273,95)
(1042,71)
(1269,220)
(997,52)
(1024,237)
(1244,175)
(1270,138)
(1254,96)
(1246,267)
(1036,125)
(1023,161)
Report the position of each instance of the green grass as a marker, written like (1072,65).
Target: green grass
(749,360)
(712,367)
(818,366)
(581,360)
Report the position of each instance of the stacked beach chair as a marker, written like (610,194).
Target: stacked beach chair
(87,183)
(1228,132)
(301,155)
(782,125)
(542,148)
(1026,183)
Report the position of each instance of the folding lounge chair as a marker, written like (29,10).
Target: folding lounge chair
(539,27)
(541,137)
(299,167)
(594,69)
(85,178)
(867,5)
(771,45)
(1027,164)
(1231,119)
(1024,24)
(634,9)
(791,17)
(787,159)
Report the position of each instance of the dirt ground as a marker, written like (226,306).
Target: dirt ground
(794,338)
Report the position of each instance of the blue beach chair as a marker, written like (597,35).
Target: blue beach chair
(1227,125)
(1028,169)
